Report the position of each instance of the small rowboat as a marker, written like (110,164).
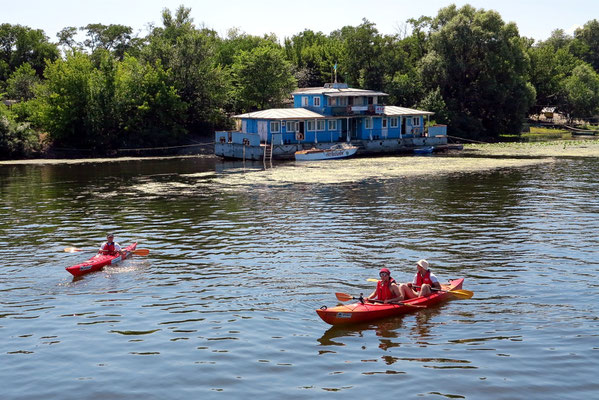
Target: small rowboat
(332,153)
(99,261)
(358,312)
(424,150)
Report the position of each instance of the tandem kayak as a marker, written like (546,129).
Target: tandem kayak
(358,312)
(99,261)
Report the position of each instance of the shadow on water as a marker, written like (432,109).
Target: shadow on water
(386,329)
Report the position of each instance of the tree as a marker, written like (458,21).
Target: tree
(190,55)
(313,56)
(64,100)
(113,38)
(548,69)
(262,78)
(22,82)
(362,55)
(19,45)
(480,66)
(582,92)
(586,43)
(149,107)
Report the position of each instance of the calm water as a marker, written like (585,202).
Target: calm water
(223,307)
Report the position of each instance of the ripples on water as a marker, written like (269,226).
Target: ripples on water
(240,258)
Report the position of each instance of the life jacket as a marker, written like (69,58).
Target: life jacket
(421,280)
(383,292)
(108,248)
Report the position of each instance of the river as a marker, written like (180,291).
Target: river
(240,257)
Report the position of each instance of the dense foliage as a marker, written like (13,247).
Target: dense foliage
(114,89)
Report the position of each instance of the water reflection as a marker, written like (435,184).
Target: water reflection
(240,257)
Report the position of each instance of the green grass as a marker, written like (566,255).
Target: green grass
(538,134)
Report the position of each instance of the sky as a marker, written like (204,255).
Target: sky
(535,18)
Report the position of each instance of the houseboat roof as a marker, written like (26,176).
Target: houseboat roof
(339,92)
(281,113)
(392,111)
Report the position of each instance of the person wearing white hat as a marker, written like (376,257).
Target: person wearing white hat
(423,283)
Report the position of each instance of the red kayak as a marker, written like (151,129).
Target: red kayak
(99,261)
(358,312)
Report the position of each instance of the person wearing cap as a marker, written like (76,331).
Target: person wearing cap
(424,282)
(386,290)
(110,247)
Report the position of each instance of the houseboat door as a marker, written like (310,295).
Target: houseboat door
(354,128)
(403,126)
(299,135)
(263,130)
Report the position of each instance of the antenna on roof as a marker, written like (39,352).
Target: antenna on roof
(335,67)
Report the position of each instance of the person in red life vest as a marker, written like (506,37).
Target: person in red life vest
(386,290)
(423,283)
(110,247)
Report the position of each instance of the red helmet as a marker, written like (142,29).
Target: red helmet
(386,270)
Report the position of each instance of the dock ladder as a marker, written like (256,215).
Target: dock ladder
(268,153)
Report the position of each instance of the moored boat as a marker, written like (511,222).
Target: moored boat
(331,153)
(363,312)
(424,150)
(99,261)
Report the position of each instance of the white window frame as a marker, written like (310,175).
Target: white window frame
(368,123)
(310,125)
(275,126)
(332,124)
(394,122)
(291,126)
(316,101)
(416,121)
(305,101)
(320,125)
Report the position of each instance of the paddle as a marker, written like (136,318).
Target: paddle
(460,293)
(347,297)
(139,252)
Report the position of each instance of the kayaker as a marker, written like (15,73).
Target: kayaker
(110,247)
(423,283)
(386,290)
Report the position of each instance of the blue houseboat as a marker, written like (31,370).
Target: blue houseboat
(324,116)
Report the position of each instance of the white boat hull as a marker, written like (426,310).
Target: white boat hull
(325,154)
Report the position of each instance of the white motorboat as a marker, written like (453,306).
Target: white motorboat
(341,150)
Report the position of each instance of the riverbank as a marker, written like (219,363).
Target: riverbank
(556,148)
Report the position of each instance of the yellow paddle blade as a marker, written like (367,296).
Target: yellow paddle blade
(372,280)
(141,252)
(72,249)
(462,294)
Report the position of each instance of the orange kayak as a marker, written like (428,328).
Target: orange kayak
(358,312)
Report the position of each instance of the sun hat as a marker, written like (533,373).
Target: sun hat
(423,263)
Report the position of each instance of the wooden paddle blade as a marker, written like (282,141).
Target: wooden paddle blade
(462,294)
(343,296)
(141,252)
(72,249)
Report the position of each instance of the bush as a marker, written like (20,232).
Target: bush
(17,140)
